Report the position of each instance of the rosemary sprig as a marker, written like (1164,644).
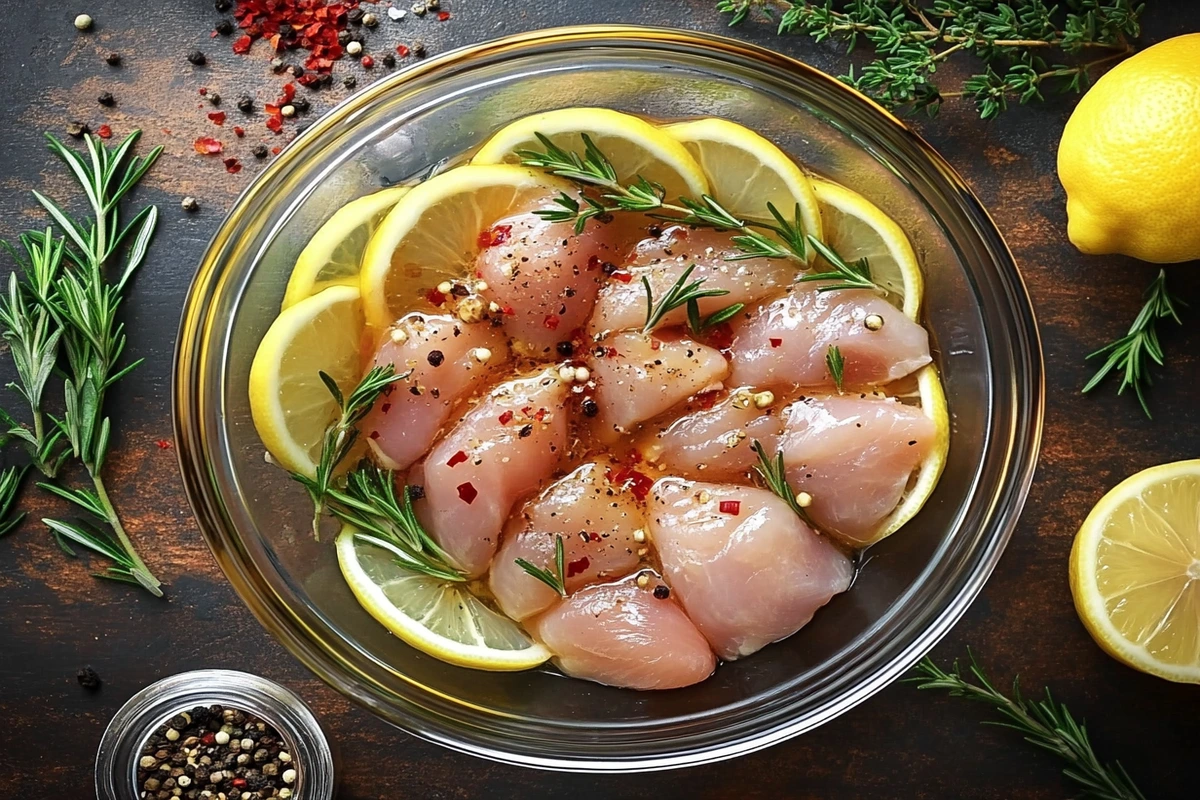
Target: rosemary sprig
(370,504)
(10,486)
(594,169)
(1044,723)
(1128,354)
(845,275)
(698,325)
(680,294)
(1012,39)
(836,365)
(342,433)
(775,477)
(556,580)
(68,284)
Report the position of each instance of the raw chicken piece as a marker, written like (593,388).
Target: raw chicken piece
(713,443)
(597,521)
(854,455)
(544,275)
(784,342)
(622,635)
(745,567)
(499,451)
(439,354)
(622,303)
(639,376)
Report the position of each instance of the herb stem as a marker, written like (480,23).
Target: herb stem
(139,570)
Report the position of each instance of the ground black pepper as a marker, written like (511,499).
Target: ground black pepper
(416,492)
(260,151)
(350,82)
(197,58)
(88,678)
(389,60)
(113,59)
(106,99)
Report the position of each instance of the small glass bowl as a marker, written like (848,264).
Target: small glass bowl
(912,586)
(126,735)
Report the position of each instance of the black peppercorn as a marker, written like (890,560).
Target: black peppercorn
(565,349)
(350,82)
(245,103)
(435,358)
(655,231)
(608,268)
(418,49)
(296,70)
(88,678)
(416,492)
(459,290)
(260,151)
(590,407)
(525,431)
(224,27)
(389,61)
(300,104)
(106,99)
(214,98)
(355,16)
(223,5)
(197,58)
(661,592)
(113,59)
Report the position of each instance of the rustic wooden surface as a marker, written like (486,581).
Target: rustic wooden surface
(54,618)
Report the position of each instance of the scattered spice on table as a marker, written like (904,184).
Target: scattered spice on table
(88,678)
(113,59)
(213,751)
(106,99)
(188,204)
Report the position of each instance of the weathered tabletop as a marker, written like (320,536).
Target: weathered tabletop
(54,618)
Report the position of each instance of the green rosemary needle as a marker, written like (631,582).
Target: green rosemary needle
(10,486)
(774,475)
(680,294)
(1044,723)
(556,580)
(836,365)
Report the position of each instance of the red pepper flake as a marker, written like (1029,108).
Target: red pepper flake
(276,151)
(593,262)
(385,408)
(456,459)
(203,91)
(578,567)
(443,16)
(232,166)
(241,45)
(374,435)
(610,352)
(540,415)
(368,63)
(402,50)
(707,399)
(467,492)
(655,344)
(497,234)
(289,93)
(239,131)
(163,444)
(508,310)
(551,321)
(622,276)
(506,417)
(776,342)
(239,783)
(435,297)
(104,132)
(637,482)
(733,507)
(218,117)
(206,145)
(208,739)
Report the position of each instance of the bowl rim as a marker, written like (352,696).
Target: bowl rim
(271,610)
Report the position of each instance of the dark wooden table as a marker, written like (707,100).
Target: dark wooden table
(54,618)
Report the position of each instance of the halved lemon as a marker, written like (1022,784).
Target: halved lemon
(746,171)
(1135,571)
(432,233)
(440,618)
(334,253)
(289,403)
(925,479)
(634,146)
(856,228)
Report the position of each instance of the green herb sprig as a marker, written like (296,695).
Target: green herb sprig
(1025,47)
(1044,723)
(844,275)
(342,433)
(10,486)
(836,365)
(681,293)
(1128,355)
(556,580)
(774,475)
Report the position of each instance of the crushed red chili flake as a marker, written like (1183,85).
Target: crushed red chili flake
(707,399)
(203,91)
(655,344)
(276,150)
(374,435)
(239,783)
(509,310)
(776,342)
(232,166)
(721,336)
(104,132)
(467,492)
(241,45)
(217,117)
(164,444)
(292,24)
(637,482)
(593,262)
(275,122)
(611,352)
(208,739)
(551,321)
(540,415)
(495,235)
(622,276)
(578,567)
(457,459)
(733,507)
(526,409)
(506,417)
(402,50)
(385,408)
(206,145)
(239,131)
(435,297)
(368,62)
(443,16)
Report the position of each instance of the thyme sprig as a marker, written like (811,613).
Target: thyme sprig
(1128,355)
(774,475)
(68,290)
(370,504)
(681,293)
(836,365)
(1025,47)
(1044,723)
(556,580)
(643,196)
(342,434)
(10,486)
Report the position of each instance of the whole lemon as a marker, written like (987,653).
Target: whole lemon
(1130,157)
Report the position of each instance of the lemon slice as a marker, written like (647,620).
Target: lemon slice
(432,233)
(290,405)
(1135,572)
(334,253)
(925,478)
(440,618)
(634,146)
(745,172)
(856,228)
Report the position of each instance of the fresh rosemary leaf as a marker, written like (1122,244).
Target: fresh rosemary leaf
(1128,355)
(556,580)
(699,325)
(775,477)
(836,365)
(844,275)
(680,294)
(1044,723)
(10,486)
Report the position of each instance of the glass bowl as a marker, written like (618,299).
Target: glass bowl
(912,587)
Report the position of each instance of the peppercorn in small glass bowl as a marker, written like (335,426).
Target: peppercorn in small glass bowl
(213,731)
(909,589)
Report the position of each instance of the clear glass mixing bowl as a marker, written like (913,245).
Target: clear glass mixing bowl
(912,587)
